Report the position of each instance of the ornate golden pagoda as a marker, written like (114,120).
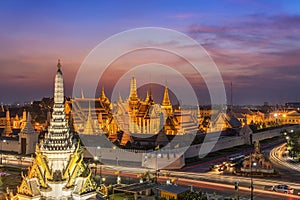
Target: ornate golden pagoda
(58,171)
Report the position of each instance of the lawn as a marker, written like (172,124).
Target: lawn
(121,196)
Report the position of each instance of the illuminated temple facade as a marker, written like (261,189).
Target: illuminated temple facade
(137,116)
(132,115)
(58,171)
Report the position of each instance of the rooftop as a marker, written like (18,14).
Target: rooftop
(175,189)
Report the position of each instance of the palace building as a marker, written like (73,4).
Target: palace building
(58,171)
(137,116)
(133,115)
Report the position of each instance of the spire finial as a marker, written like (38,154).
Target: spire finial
(120,100)
(28,117)
(82,94)
(103,97)
(133,91)
(58,64)
(147,97)
(166,100)
(89,109)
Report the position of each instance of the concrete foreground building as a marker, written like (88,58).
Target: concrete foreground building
(58,171)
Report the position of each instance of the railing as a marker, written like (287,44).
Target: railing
(16,160)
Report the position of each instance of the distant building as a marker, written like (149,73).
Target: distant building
(247,116)
(92,113)
(10,124)
(285,117)
(24,142)
(222,120)
(292,105)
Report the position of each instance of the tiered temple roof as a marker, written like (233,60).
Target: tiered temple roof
(27,128)
(58,171)
(58,137)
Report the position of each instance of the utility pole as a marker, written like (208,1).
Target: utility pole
(231,95)
(236,187)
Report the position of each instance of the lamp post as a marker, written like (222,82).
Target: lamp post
(3,141)
(1,151)
(114,148)
(99,148)
(95,165)
(251,178)
(157,168)
(236,187)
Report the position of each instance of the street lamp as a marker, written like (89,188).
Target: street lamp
(287,138)
(95,165)
(236,187)
(157,156)
(251,178)
(3,141)
(103,179)
(114,147)
(99,148)
(1,152)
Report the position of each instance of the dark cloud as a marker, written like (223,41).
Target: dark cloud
(253,30)
(259,53)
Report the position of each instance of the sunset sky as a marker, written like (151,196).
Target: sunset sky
(255,44)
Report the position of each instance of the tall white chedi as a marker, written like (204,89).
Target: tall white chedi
(58,144)
(58,171)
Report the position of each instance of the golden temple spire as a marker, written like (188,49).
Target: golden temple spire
(82,95)
(120,100)
(133,92)
(147,97)
(166,100)
(166,103)
(7,130)
(150,95)
(88,126)
(150,91)
(103,96)
(24,115)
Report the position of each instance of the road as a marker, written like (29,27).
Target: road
(193,179)
(203,166)
(211,182)
(224,184)
(283,161)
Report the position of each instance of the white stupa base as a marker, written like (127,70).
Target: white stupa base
(57,191)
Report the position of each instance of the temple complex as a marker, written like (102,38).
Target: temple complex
(137,116)
(133,115)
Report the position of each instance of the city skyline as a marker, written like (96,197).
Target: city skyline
(254,44)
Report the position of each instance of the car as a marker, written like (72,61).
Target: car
(214,167)
(283,188)
(236,157)
(222,168)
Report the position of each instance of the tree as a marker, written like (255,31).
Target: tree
(193,195)
(293,143)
